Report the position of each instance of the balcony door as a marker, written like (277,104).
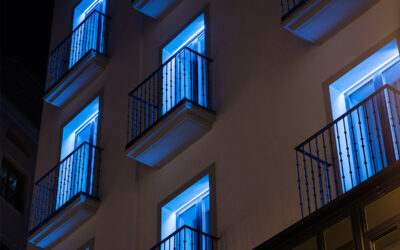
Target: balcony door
(87,133)
(189,208)
(367,128)
(195,215)
(77,158)
(184,72)
(86,28)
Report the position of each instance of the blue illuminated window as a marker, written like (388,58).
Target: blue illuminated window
(190,208)
(185,72)
(85,8)
(86,26)
(383,67)
(76,159)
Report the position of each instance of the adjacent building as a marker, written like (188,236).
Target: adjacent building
(207,124)
(20,111)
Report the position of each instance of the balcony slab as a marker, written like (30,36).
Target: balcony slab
(77,79)
(68,219)
(155,8)
(316,20)
(176,131)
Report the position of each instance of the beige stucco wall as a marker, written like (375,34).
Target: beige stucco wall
(270,93)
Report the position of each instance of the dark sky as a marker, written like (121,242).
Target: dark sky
(25,32)
(25,36)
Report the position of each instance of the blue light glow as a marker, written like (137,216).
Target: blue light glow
(348,91)
(185,199)
(74,134)
(183,38)
(360,74)
(83,9)
(68,136)
(184,75)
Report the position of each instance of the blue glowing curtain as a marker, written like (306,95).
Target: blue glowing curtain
(184,75)
(88,32)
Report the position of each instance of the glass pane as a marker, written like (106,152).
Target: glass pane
(392,75)
(188,218)
(390,241)
(206,214)
(360,94)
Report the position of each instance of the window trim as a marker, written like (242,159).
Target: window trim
(210,171)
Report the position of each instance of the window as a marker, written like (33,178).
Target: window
(367,133)
(86,26)
(389,241)
(190,208)
(184,72)
(12,185)
(79,160)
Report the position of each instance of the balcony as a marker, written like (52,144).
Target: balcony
(155,8)
(187,238)
(350,150)
(366,217)
(78,60)
(316,20)
(65,197)
(170,109)
(348,181)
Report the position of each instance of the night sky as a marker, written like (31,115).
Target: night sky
(25,37)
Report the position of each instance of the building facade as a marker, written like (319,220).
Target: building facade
(172,125)
(19,135)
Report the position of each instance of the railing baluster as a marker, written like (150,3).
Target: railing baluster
(184,74)
(348,152)
(179,56)
(187,238)
(162,90)
(313,177)
(299,183)
(362,143)
(355,149)
(365,107)
(392,122)
(305,175)
(128,137)
(170,84)
(327,181)
(341,158)
(202,81)
(63,182)
(396,100)
(377,130)
(321,187)
(356,137)
(70,51)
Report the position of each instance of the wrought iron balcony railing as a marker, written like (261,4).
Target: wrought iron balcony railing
(76,174)
(183,77)
(349,150)
(187,238)
(288,6)
(89,35)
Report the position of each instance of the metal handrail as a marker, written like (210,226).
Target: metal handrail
(349,150)
(378,91)
(77,27)
(178,231)
(165,63)
(69,155)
